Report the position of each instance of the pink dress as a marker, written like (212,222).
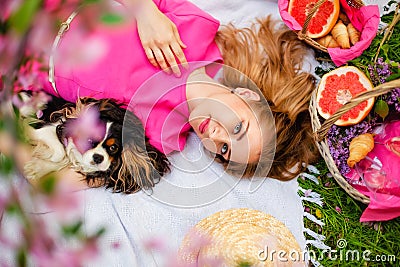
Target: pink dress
(126,75)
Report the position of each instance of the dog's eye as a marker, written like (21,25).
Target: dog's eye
(113,148)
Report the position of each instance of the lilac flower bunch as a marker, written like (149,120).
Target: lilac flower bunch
(339,138)
(380,73)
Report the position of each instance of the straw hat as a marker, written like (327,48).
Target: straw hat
(239,237)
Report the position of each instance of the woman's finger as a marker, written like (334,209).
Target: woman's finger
(178,38)
(161,60)
(150,56)
(169,56)
(178,52)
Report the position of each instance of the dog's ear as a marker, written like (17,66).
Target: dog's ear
(137,168)
(111,110)
(159,160)
(137,171)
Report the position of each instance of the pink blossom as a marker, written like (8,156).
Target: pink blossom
(42,35)
(29,105)
(64,200)
(197,240)
(115,245)
(307,209)
(28,77)
(7,7)
(210,261)
(58,5)
(8,51)
(338,209)
(327,184)
(52,5)
(155,243)
(89,49)
(86,130)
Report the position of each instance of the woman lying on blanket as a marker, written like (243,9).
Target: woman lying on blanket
(232,120)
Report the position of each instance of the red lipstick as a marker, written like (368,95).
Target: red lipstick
(204,125)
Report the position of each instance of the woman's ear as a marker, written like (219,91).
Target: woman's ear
(247,94)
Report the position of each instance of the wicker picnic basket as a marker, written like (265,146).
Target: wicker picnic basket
(302,35)
(321,131)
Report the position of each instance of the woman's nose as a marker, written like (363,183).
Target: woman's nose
(219,134)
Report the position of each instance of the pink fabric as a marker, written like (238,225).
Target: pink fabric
(366,19)
(385,202)
(125,67)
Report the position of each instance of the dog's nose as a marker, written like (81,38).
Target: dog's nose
(97,158)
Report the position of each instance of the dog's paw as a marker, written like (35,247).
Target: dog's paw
(46,143)
(38,168)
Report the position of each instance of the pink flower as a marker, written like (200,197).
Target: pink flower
(197,240)
(7,7)
(29,105)
(56,5)
(86,130)
(42,35)
(52,5)
(115,245)
(338,209)
(65,201)
(155,243)
(88,49)
(8,51)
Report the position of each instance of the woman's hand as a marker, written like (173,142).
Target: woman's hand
(160,39)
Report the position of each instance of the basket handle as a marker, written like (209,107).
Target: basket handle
(314,9)
(377,91)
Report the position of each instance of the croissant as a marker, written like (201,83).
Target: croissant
(327,41)
(339,32)
(343,17)
(354,34)
(359,147)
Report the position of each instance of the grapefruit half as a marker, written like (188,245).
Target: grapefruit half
(323,20)
(338,87)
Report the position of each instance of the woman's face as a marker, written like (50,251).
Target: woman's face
(227,126)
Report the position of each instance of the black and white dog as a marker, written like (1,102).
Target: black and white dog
(121,159)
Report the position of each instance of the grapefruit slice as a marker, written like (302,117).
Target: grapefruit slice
(338,87)
(323,20)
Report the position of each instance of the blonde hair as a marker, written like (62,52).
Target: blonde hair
(272,56)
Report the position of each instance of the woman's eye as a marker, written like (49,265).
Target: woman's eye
(224,148)
(237,128)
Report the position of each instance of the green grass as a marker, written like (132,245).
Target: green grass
(380,238)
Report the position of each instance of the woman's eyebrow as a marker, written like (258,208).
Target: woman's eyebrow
(245,131)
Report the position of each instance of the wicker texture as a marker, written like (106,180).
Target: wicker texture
(302,35)
(321,131)
(236,236)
